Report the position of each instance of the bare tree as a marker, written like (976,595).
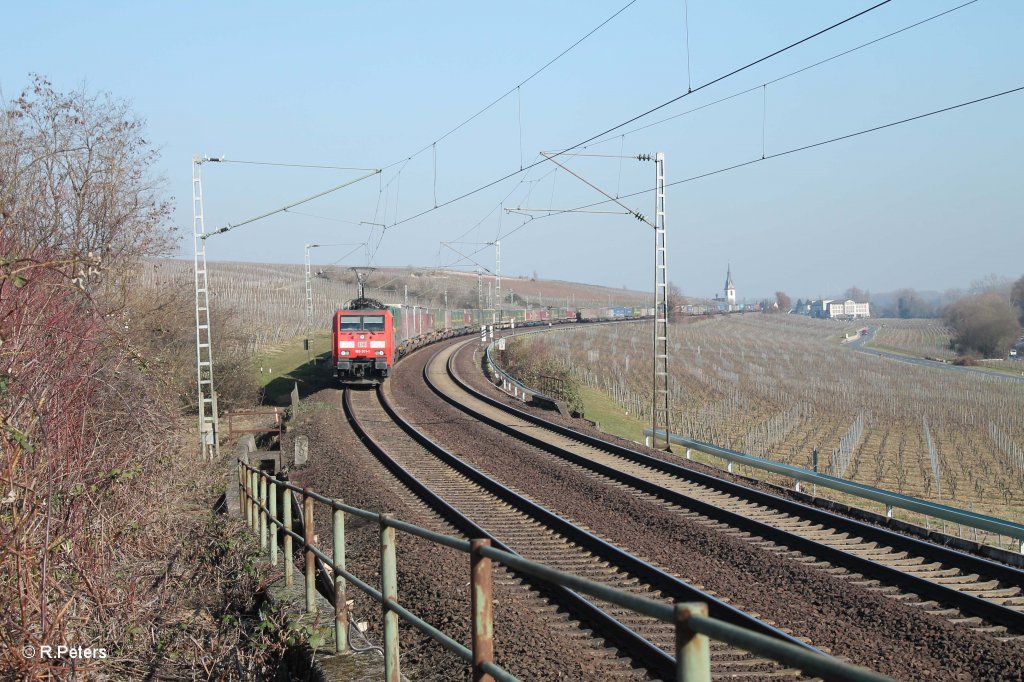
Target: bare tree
(783,301)
(983,323)
(1017,298)
(992,283)
(76,181)
(674,299)
(84,410)
(857,294)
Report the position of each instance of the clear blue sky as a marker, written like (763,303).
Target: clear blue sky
(933,204)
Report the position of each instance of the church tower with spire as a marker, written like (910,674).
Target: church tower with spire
(730,288)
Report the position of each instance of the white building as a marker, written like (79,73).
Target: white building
(730,288)
(828,308)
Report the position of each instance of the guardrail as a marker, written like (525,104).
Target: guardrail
(891,500)
(513,386)
(259,495)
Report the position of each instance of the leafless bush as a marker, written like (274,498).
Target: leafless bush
(92,468)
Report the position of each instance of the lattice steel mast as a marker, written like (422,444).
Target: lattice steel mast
(309,288)
(208,417)
(660,411)
(497,275)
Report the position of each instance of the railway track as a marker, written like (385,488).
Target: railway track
(969,591)
(479,506)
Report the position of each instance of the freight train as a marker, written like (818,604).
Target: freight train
(369,336)
(613,313)
(363,346)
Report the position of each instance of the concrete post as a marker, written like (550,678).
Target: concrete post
(340,598)
(301,450)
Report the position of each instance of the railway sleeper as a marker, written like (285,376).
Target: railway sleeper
(996,597)
(936,572)
(959,579)
(890,557)
(991,629)
(993,585)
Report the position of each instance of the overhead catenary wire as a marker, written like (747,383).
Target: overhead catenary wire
(793,73)
(639,116)
(517,86)
(232,226)
(762,86)
(636,214)
(222,159)
(357,247)
(795,150)
(323,217)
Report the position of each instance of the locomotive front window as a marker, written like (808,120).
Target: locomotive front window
(373,323)
(351,323)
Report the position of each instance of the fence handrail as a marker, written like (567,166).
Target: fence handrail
(258,489)
(890,499)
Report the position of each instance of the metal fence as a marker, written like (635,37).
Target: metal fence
(258,413)
(891,500)
(267,504)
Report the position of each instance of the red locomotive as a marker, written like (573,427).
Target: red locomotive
(364,348)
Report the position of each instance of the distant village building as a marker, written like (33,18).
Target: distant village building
(829,309)
(730,288)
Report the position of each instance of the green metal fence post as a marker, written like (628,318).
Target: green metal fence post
(263,512)
(483,610)
(389,593)
(289,558)
(273,523)
(693,650)
(243,483)
(307,528)
(340,598)
(254,486)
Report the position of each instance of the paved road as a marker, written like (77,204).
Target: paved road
(858,345)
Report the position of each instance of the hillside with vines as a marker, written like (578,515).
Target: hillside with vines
(782,386)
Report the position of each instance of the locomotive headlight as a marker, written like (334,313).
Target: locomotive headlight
(343,352)
(380,352)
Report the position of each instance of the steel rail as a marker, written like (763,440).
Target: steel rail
(644,652)
(653,576)
(969,604)
(688,618)
(889,499)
